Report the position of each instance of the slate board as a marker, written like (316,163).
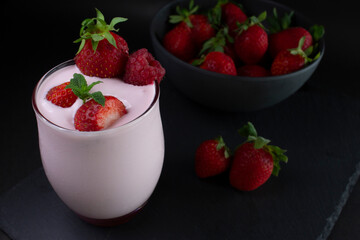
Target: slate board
(319,131)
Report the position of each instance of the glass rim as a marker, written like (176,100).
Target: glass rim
(72,62)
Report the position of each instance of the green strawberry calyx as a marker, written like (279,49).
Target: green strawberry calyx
(251,21)
(305,54)
(184,14)
(221,144)
(97,29)
(277,23)
(81,89)
(249,131)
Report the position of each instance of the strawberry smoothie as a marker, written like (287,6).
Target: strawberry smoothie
(107,174)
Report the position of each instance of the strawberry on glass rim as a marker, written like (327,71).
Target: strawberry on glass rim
(102,53)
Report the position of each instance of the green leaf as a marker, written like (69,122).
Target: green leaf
(221,144)
(175,19)
(115,21)
(248,130)
(278,156)
(99,15)
(97,37)
(260,142)
(317,32)
(110,38)
(99,98)
(81,89)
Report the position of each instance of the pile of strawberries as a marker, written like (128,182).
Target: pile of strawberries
(226,40)
(249,167)
(105,54)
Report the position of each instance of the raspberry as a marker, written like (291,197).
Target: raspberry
(142,69)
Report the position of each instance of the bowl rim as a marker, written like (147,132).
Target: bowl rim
(159,45)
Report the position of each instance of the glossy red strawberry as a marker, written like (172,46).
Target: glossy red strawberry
(61,96)
(92,116)
(101,53)
(219,62)
(290,60)
(211,158)
(232,15)
(251,43)
(201,29)
(142,69)
(179,42)
(288,38)
(253,71)
(254,161)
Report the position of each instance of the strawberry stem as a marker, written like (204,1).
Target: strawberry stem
(97,29)
(249,131)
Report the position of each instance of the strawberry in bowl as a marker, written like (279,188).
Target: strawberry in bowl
(252,86)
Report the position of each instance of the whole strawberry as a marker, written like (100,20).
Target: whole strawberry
(211,158)
(142,69)
(97,112)
(101,53)
(179,42)
(61,96)
(283,36)
(290,60)
(251,42)
(253,71)
(254,161)
(201,29)
(219,62)
(232,15)
(288,38)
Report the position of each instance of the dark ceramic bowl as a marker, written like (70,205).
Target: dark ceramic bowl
(225,92)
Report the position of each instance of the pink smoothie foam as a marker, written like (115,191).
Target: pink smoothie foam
(135,98)
(102,174)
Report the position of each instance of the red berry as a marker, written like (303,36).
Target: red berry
(219,62)
(250,168)
(288,38)
(143,69)
(252,71)
(179,42)
(91,116)
(60,96)
(254,161)
(107,61)
(201,29)
(251,44)
(286,62)
(211,158)
(232,15)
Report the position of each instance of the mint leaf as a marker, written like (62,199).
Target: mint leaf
(81,89)
(99,98)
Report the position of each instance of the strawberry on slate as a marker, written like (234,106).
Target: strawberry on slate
(254,161)
(61,96)
(101,53)
(212,157)
(251,42)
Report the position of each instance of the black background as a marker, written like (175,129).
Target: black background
(36,36)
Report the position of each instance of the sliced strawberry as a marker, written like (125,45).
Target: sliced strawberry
(91,116)
(61,96)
